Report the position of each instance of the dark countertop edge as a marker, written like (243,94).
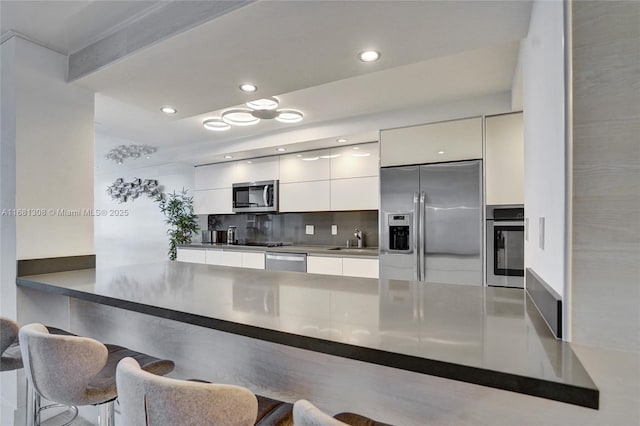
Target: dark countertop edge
(570,394)
(324,251)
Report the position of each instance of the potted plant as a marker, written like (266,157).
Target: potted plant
(178,210)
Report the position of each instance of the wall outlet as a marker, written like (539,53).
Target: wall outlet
(334,229)
(541,231)
(309,229)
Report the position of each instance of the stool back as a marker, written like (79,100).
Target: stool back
(8,333)
(60,367)
(147,399)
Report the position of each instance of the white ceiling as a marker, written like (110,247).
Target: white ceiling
(304,52)
(68,26)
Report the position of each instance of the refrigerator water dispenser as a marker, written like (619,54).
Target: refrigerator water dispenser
(399,232)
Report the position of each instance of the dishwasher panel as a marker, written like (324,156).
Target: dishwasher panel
(296,262)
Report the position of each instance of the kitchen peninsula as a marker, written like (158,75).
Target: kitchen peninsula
(219,322)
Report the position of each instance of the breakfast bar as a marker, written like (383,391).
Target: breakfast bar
(210,317)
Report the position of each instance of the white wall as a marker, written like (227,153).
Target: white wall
(544,139)
(46,156)
(140,236)
(54,156)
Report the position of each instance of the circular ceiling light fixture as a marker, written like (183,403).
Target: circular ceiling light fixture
(369,55)
(168,109)
(289,116)
(240,117)
(248,87)
(216,124)
(265,114)
(341,140)
(264,104)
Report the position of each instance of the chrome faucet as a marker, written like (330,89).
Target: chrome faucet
(359,238)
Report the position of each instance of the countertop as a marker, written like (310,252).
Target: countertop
(328,251)
(485,335)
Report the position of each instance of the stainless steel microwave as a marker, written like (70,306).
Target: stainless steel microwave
(255,197)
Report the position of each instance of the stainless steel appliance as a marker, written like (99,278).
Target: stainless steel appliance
(431,222)
(505,246)
(232,235)
(255,197)
(296,262)
(207,236)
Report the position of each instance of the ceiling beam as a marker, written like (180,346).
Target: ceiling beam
(161,23)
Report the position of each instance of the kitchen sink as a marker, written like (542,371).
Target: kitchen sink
(355,250)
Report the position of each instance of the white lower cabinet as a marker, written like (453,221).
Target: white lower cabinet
(344,266)
(324,265)
(190,255)
(253,260)
(356,267)
(239,259)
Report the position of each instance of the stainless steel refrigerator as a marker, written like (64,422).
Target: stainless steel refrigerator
(431,223)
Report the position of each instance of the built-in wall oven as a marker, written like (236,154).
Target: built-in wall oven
(255,197)
(505,246)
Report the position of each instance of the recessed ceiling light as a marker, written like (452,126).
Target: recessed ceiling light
(228,156)
(215,124)
(369,55)
(289,116)
(249,162)
(264,103)
(356,147)
(248,87)
(341,140)
(440,152)
(239,117)
(281,149)
(168,110)
(299,155)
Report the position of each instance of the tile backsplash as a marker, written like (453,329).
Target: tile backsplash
(291,227)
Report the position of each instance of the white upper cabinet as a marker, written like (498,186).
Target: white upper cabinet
(214,176)
(305,166)
(355,193)
(258,169)
(504,160)
(212,201)
(305,196)
(432,143)
(355,161)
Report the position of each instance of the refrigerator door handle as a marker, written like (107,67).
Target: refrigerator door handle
(423,236)
(416,238)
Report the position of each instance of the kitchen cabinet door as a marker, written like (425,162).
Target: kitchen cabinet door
(215,176)
(190,255)
(355,161)
(253,260)
(355,193)
(231,258)
(324,265)
(305,166)
(212,201)
(305,196)
(356,267)
(432,143)
(213,257)
(504,159)
(258,169)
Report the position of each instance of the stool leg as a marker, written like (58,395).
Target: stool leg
(106,414)
(29,418)
(36,408)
